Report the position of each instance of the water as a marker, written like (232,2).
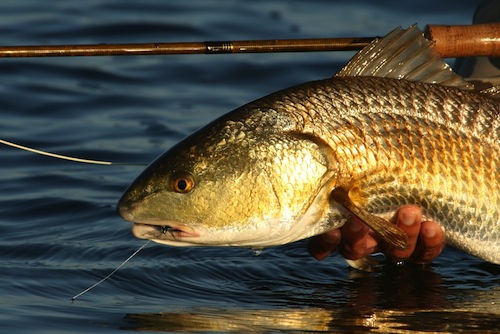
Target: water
(59,232)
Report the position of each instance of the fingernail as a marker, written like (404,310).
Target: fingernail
(430,232)
(408,218)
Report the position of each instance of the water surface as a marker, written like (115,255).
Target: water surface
(59,232)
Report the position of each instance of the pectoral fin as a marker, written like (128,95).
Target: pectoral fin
(389,232)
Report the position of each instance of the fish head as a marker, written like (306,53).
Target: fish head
(231,185)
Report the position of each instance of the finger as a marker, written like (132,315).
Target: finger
(322,245)
(408,218)
(430,243)
(356,241)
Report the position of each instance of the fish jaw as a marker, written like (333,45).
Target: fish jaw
(264,234)
(258,233)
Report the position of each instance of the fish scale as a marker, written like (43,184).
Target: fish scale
(421,140)
(450,170)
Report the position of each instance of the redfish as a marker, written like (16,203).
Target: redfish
(395,126)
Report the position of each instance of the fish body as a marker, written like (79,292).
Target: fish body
(264,174)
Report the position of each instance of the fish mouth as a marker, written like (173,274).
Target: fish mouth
(163,230)
(152,229)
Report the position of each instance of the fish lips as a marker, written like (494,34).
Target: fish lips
(158,229)
(165,231)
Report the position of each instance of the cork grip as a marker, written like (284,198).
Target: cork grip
(466,40)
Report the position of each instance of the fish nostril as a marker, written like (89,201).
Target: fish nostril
(124,212)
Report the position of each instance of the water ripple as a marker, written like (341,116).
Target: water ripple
(59,232)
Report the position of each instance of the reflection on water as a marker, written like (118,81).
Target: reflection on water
(316,320)
(380,303)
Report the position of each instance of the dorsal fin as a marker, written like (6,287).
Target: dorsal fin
(404,54)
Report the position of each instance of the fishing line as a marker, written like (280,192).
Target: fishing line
(54,155)
(111,274)
(64,157)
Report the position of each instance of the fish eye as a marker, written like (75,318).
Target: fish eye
(182,183)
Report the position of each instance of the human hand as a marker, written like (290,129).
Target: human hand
(355,240)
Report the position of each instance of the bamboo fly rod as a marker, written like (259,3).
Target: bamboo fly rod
(450,41)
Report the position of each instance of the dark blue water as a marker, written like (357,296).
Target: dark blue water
(59,232)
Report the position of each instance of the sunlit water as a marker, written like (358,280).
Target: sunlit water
(59,232)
